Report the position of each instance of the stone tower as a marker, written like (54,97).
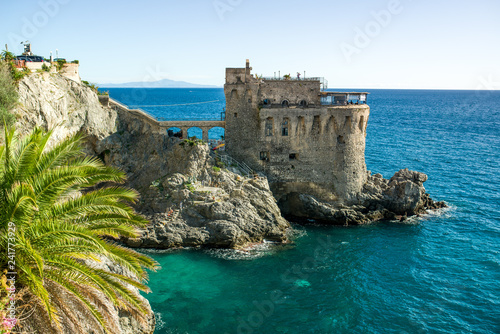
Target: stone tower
(305,139)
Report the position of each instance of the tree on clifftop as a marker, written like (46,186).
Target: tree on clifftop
(54,201)
(7,56)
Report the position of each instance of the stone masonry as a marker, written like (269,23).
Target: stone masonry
(283,128)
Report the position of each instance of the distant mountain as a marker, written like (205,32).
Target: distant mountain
(165,83)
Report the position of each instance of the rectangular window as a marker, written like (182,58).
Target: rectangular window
(264,156)
(293,156)
(269,127)
(284,128)
(235,114)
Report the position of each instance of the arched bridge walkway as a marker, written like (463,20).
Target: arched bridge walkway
(163,126)
(205,126)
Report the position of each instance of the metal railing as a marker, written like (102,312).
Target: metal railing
(231,162)
(323,82)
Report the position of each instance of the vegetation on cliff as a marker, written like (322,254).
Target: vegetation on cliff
(61,209)
(8,94)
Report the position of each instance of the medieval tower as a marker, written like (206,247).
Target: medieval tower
(305,139)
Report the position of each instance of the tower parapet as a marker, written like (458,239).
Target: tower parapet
(304,139)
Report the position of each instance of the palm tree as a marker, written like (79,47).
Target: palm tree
(63,216)
(7,56)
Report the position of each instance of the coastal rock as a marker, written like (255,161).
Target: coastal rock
(51,101)
(402,194)
(397,198)
(207,206)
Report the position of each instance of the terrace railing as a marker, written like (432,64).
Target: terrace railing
(323,82)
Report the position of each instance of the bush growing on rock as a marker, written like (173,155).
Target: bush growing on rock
(8,95)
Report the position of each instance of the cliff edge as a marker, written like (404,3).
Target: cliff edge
(213,206)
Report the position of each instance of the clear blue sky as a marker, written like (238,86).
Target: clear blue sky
(412,44)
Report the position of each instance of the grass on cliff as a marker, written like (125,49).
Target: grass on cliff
(8,94)
(59,207)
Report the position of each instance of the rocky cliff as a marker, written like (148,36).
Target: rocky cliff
(220,208)
(51,101)
(199,204)
(188,199)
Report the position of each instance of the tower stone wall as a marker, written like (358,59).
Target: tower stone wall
(281,128)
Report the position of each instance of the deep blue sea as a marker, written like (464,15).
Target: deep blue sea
(436,274)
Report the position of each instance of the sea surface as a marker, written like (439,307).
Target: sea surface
(435,274)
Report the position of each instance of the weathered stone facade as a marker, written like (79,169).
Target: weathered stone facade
(281,127)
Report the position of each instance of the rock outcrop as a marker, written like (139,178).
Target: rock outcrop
(199,204)
(51,101)
(402,196)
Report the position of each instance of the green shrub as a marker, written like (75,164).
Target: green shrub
(8,94)
(193,141)
(15,73)
(189,186)
(216,169)
(75,62)
(60,64)
(6,117)
(45,67)
(92,86)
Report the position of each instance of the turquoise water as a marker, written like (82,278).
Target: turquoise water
(437,274)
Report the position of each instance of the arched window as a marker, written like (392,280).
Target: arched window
(269,129)
(285,104)
(234,94)
(285,126)
(303,103)
(266,102)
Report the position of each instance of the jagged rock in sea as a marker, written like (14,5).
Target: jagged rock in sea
(402,196)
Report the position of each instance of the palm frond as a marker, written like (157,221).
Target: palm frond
(62,224)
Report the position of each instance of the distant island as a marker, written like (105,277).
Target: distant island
(165,83)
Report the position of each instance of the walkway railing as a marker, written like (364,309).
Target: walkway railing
(222,116)
(245,170)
